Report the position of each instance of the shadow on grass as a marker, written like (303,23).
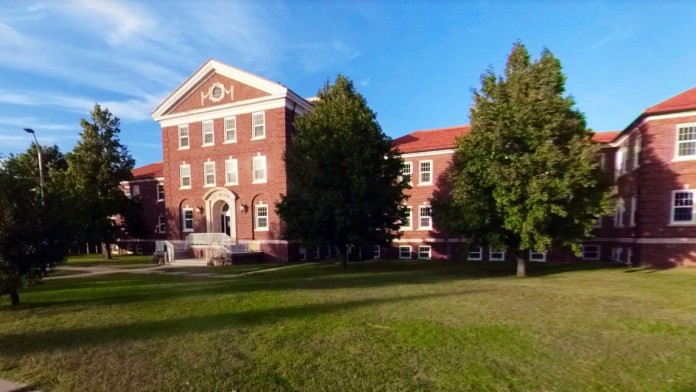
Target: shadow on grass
(124,289)
(17,345)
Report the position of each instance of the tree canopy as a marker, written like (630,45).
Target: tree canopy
(35,232)
(96,166)
(344,184)
(526,177)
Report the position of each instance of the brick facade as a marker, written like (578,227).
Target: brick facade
(642,159)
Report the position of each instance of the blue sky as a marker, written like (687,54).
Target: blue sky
(415,61)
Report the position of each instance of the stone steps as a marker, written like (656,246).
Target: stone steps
(190,262)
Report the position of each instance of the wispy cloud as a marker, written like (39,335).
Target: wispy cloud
(318,56)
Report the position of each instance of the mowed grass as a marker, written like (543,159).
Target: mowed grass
(118,261)
(389,326)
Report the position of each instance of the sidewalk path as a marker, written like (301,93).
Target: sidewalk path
(9,386)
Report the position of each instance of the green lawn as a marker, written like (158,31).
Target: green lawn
(224,270)
(119,261)
(391,326)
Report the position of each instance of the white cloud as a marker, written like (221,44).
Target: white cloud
(318,56)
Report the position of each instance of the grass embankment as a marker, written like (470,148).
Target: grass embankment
(119,261)
(378,326)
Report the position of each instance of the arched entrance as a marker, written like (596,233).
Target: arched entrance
(220,212)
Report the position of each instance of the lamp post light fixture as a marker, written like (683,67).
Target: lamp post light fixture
(38,152)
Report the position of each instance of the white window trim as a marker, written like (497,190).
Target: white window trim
(303,253)
(253,137)
(236,168)
(206,184)
(637,148)
(317,253)
(256,217)
(672,222)
(599,252)
(402,248)
(253,169)
(538,259)
(678,158)
(376,252)
(619,213)
(188,137)
(422,249)
(203,133)
(410,220)
(621,162)
(616,253)
(480,252)
(490,254)
(634,210)
(159,184)
(224,125)
(135,190)
(160,217)
(430,226)
(420,176)
(181,176)
(183,220)
(408,164)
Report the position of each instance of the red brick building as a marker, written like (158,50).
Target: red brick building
(224,133)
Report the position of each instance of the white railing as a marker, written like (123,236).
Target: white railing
(169,248)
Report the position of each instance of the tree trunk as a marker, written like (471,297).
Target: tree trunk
(521,266)
(106,251)
(14,296)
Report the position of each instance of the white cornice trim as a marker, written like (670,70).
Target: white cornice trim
(672,240)
(654,117)
(431,240)
(427,153)
(272,88)
(233,109)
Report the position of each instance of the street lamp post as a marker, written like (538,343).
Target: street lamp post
(38,152)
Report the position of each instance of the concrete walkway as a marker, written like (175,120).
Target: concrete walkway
(9,386)
(157,269)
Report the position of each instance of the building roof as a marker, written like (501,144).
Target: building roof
(605,136)
(430,139)
(679,102)
(153,170)
(446,138)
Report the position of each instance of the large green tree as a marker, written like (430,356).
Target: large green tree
(96,166)
(35,231)
(527,176)
(344,184)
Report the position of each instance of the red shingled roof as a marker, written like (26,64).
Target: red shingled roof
(430,139)
(679,102)
(152,170)
(605,137)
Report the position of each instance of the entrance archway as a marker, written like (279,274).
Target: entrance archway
(220,207)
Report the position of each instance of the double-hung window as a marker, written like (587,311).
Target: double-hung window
(162,223)
(537,256)
(405,252)
(183,137)
(591,252)
(425,220)
(686,141)
(261,217)
(406,224)
(258,125)
(136,190)
(209,174)
(160,192)
(258,166)
(231,130)
(682,207)
(185,176)
(231,172)
(424,252)
(187,219)
(425,172)
(475,253)
(619,212)
(634,210)
(376,252)
(207,134)
(407,171)
(637,147)
(496,255)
